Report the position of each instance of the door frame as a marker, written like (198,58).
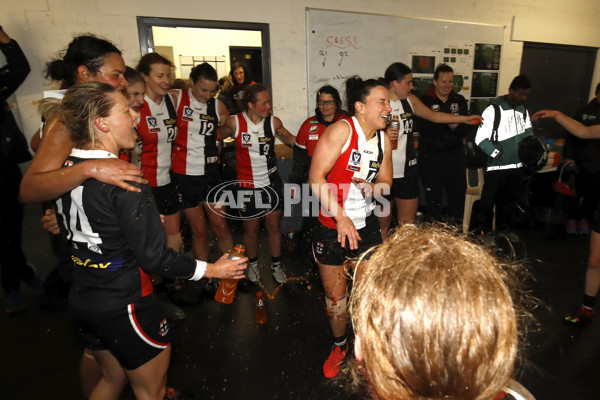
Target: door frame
(146,38)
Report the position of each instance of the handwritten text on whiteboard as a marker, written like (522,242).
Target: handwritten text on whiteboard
(343,42)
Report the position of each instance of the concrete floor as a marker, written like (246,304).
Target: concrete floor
(220,353)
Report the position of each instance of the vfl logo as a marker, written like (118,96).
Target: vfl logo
(163,328)
(354,161)
(187,113)
(246,140)
(228,198)
(152,124)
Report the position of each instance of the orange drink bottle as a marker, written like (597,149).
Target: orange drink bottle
(226,291)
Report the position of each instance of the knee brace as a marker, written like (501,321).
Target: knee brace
(336,308)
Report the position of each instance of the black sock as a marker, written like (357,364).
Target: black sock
(341,341)
(588,301)
(275,262)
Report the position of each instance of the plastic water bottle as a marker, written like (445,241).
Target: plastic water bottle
(226,291)
(261,312)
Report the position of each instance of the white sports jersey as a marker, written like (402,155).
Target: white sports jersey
(404,155)
(157,130)
(195,147)
(255,152)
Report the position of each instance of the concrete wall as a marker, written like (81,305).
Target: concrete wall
(43,27)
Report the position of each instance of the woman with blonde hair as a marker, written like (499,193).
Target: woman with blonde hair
(116,239)
(434,319)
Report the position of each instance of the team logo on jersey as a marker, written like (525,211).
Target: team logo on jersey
(68,163)
(152,124)
(374,165)
(246,140)
(163,328)
(319,248)
(454,107)
(435,107)
(354,161)
(313,137)
(313,129)
(405,115)
(187,113)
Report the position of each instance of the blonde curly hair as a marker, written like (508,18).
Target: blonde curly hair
(434,317)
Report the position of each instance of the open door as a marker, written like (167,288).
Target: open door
(197,41)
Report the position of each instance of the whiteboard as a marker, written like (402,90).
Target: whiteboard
(342,44)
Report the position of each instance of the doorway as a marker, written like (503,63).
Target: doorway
(251,56)
(225,33)
(561,77)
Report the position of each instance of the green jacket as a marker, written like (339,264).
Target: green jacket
(514,126)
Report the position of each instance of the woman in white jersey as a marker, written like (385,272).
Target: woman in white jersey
(195,159)
(398,79)
(157,130)
(351,168)
(258,180)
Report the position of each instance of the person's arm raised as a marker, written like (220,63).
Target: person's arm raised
(573,126)
(46,180)
(421,110)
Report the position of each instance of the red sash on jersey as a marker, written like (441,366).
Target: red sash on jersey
(178,160)
(149,162)
(340,177)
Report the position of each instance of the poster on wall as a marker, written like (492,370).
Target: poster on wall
(487,56)
(485,84)
(486,69)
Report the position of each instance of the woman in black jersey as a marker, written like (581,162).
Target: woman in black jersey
(116,237)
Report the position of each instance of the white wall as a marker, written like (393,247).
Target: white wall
(43,27)
(203,42)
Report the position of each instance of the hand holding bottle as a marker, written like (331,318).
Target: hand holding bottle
(226,268)
(393,130)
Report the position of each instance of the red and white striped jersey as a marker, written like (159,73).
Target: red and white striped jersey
(157,129)
(359,159)
(255,152)
(195,149)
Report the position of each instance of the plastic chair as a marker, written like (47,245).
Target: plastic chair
(473,193)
